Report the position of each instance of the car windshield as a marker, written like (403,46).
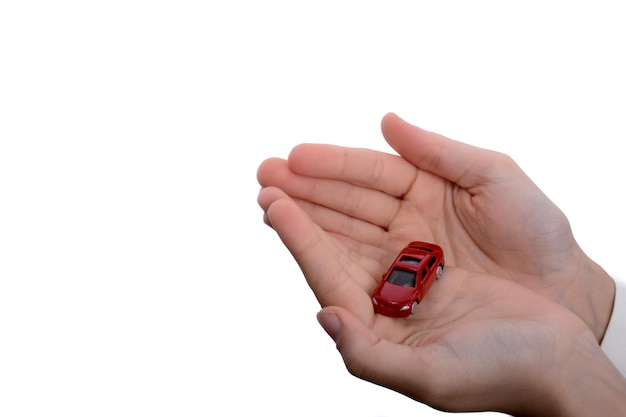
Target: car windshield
(402,278)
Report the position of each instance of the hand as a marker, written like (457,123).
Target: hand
(476,342)
(477,204)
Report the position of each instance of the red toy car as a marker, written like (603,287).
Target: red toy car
(408,279)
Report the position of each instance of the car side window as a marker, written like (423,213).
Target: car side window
(424,273)
(431,262)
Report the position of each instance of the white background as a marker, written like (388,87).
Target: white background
(136,275)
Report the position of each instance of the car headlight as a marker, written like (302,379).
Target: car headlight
(374,301)
(404,308)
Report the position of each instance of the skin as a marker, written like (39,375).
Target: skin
(477,204)
(497,332)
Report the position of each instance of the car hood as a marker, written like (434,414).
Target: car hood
(395,293)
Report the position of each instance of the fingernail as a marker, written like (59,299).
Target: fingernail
(330,323)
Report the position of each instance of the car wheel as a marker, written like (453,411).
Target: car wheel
(414,307)
(439,271)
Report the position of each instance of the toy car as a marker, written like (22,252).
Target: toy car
(408,279)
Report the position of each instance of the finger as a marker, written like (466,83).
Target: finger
(350,229)
(357,236)
(366,204)
(367,245)
(344,226)
(332,275)
(460,163)
(367,168)
(365,249)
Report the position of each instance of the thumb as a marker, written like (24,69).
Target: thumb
(371,358)
(455,161)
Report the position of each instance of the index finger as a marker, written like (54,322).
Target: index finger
(460,163)
(364,167)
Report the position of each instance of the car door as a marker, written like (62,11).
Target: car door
(430,273)
(422,273)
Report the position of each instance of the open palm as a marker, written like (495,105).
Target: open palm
(477,204)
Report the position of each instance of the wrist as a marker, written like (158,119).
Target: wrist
(585,384)
(590,295)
